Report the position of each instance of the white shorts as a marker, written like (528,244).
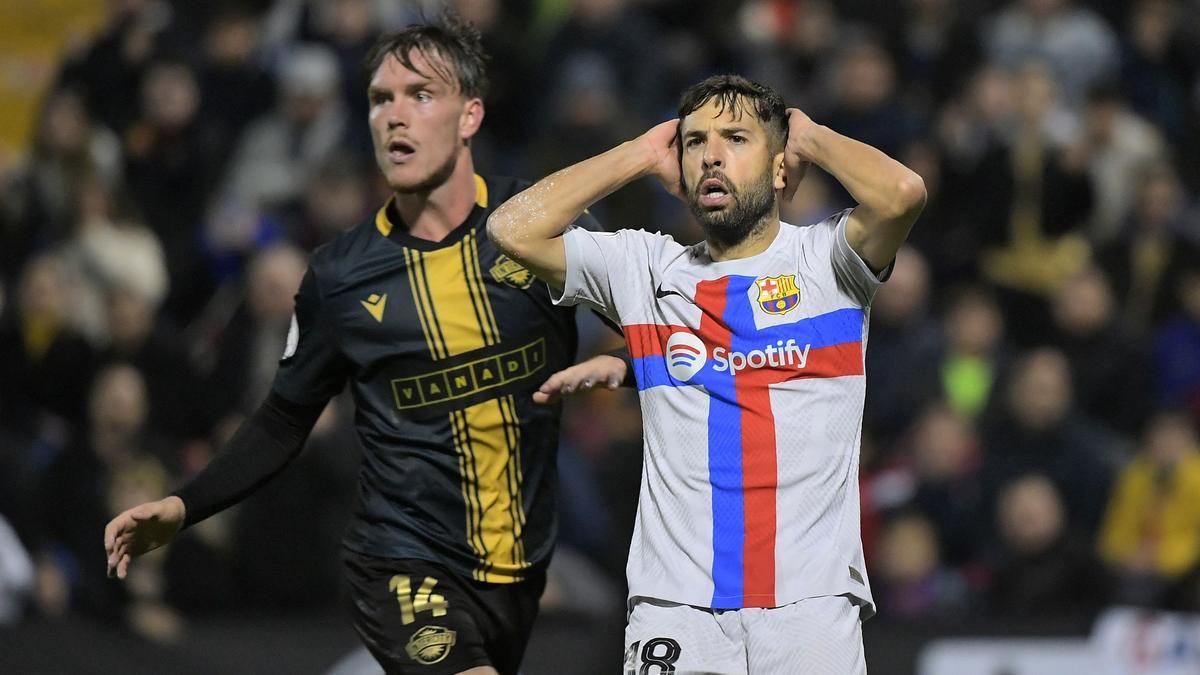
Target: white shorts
(821,636)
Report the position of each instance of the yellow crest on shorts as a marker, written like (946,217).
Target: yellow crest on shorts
(430,645)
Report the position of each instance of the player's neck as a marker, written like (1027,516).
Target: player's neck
(435,214)
(759,240)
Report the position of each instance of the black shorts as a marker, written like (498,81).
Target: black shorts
(418,617)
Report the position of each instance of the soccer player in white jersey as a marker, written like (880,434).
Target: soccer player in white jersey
(748,350)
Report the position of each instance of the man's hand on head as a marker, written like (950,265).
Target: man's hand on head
(663,141)
(795,157)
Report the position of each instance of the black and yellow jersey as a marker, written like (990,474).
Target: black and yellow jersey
(443,345)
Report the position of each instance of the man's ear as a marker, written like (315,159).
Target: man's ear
(471,119)
(779,171)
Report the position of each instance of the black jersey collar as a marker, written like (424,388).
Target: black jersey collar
(389,223)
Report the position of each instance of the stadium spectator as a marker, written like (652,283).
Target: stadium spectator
(1119,146)
(68,149)
(235,86)
(45,364)
(171,169)
(337,199)
(1109,370)
(619,34)
(1151,532)
(248,352)
(905,341)
(1038,428)
(936,46)
(865,102)
(111,467)
(1075,41)
(1034,200)
(913,582)
(280,153)
(974,353)
(1158,244)
(1177,351)
(110,68)
(1044,567)
(1160,64)
(946,455)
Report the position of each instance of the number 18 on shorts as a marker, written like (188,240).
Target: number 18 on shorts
(821,636)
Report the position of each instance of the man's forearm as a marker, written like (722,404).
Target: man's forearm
(526,226)
(890,196)
(261,448)
(873,179)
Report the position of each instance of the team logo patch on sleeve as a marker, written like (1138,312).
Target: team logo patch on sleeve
(430,645)
(778,295)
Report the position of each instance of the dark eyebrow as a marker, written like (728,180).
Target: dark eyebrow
(374,91)
(730,131)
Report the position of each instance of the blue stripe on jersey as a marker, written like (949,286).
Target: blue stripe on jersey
(725,461)
(651,371)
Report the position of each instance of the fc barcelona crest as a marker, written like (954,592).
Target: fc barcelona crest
(778,295)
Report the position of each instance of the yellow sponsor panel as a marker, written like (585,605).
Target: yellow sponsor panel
(470,378)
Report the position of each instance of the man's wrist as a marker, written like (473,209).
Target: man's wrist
(646,157)
(176,503)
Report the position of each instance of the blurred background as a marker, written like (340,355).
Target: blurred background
(1030,467)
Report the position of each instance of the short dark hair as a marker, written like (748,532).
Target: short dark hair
(734,92)
(452,47)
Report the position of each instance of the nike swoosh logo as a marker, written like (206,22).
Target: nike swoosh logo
(660,293)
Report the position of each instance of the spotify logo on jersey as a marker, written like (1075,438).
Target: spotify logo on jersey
(686,355)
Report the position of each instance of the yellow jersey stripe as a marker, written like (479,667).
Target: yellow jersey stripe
(471,504)
(515,476)
(473,269)
(481,192)
(475,292)
(411,265)
(492,457)
(431,305)
(450,295)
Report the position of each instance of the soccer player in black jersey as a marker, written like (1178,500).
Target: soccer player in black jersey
(444,342)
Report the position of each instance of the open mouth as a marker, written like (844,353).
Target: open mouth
(399,151)
(713,193)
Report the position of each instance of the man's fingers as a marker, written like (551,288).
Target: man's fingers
(110,534)
(116,527)
(123,567)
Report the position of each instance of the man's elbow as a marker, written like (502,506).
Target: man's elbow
(501,231)
(910,198)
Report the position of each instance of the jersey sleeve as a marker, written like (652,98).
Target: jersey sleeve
(312,369)
(601,267)
(853,275)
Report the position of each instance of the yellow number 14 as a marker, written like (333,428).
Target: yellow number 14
(423,601)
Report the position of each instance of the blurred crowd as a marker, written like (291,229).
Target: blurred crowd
(1030,437)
